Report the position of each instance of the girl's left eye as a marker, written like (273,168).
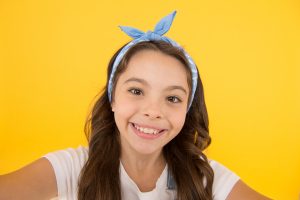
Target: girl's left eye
(135,91)
(174,99)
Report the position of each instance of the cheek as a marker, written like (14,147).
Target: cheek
(178,120)
(124,110)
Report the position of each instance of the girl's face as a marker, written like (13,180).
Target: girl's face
(150,101)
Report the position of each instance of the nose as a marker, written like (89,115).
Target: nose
(153,110)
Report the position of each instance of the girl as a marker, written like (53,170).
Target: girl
(146,135)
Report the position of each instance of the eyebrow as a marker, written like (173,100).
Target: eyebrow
(142,81)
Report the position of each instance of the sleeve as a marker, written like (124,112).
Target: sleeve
(67,165)
(224,180)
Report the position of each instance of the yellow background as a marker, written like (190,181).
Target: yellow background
(53,58)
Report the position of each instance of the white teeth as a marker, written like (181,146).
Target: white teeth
(146,130)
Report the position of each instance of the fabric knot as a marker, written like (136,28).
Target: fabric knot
(152,36)
(160,29)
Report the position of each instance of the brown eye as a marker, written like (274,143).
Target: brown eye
(174,99)
(135,91)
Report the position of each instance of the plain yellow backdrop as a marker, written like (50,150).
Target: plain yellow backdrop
(53,58)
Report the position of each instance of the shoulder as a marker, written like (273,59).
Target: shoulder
(224,180)
(221,171)
(242,191)
(69,156)
(228,185)
(67,165)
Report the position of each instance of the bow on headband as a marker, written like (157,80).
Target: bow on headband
(161,28)
(138,36)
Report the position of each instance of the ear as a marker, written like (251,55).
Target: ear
(112,105)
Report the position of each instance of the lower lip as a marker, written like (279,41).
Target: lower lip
(145,135)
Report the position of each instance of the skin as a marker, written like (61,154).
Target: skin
(156,106)
(155,90)
(36,181)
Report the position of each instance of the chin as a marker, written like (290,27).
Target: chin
(146,149)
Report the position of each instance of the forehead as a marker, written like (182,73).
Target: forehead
(156,68)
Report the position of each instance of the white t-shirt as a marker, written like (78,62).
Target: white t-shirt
(68,163)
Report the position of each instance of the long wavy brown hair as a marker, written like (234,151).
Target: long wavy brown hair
(100,179)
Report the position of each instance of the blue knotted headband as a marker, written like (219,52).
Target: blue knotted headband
(138,36)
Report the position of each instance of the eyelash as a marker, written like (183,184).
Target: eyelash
(135,90)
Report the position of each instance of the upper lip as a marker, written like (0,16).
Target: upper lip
(147,126)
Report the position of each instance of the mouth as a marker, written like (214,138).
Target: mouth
(147,132)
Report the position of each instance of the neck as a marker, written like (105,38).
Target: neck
(143,169)
(139,163)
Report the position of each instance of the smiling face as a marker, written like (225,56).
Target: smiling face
(150,101)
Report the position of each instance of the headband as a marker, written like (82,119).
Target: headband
(138,36)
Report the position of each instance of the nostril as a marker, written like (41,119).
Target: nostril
(153,115)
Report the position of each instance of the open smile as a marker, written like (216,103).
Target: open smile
(147,132)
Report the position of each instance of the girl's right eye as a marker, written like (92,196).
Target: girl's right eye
(135,91)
